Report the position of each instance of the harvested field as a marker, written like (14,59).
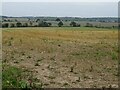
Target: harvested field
(58,57)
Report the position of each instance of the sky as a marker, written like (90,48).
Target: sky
(93,8)
(60,0)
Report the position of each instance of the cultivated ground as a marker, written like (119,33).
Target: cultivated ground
(62,57)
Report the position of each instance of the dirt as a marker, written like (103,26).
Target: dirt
(65,61)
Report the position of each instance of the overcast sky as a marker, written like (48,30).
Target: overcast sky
(80,9)
(60,0)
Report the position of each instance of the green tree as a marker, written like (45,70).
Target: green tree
(50,24)
(73,24)
(30,23)
(89,25)
(44,24)
(12,25)
(60,24)
(57,19)
(4,25)
(18,24)
(25,25)
(38,20)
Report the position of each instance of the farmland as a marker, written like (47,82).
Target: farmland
(60,57)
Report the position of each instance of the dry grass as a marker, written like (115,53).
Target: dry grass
(64,57)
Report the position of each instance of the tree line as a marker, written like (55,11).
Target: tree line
(40,23)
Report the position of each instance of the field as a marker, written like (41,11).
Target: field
(60,57)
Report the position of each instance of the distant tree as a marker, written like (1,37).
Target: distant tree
(28,19)
(12,25)
(96,26)
(73,24)
(38,20)
(5,25)
(78,25)
(0,25)
(9,20)
(44,24)
(89,25)
(119,26)
(16,20)
(113,26)
(60,24)
(30,23)
(57,19)
(44,20)
(40,24)
(5,20)
(115,21)
(25,25)
(18,24)
(50,24)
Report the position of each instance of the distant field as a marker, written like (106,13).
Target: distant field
(60,57)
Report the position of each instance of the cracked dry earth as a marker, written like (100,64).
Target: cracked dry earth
(64,58)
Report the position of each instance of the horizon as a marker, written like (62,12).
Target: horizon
(58,16)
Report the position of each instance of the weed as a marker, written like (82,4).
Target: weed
(114,56)
(39,60)
(31,49)
(52,58)
(37,64)
(51,77)
(78,80)
(29,57)
(71,69)
(16,62)
(52,82)
(21,41)
(9,43)
(23,53)
(91,69)
(11,38)
(65,84)
(76,54)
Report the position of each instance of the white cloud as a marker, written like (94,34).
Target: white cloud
(60,0)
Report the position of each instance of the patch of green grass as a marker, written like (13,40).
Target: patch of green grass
(11,78)
(114,56)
